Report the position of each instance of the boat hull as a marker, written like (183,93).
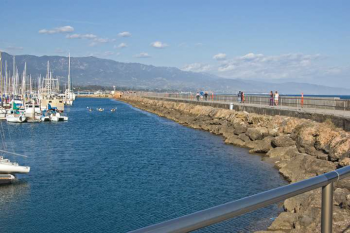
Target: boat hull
(13,169)
(15,119)
(6,178)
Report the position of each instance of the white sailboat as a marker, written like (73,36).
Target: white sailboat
(8,167)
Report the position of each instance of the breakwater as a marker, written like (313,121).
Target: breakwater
(340,118)
(300,149)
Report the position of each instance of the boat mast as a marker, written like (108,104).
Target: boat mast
(30,86)
(14,76)
(24,81)
(6,79)
(69,81)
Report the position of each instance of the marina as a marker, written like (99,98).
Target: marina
(28,99)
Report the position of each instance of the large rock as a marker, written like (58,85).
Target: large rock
(284,153)
(340,150)
(305,166)
(257,133)
(289,124)
(239,128)
(262,146)
(285,221)
(283,141)
(244,137)
(341,198)
(324,136)
(234,140)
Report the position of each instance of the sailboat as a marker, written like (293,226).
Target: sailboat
(9,169)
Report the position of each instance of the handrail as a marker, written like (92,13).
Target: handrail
(292,101)
(232,209)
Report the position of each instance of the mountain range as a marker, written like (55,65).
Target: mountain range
(104,72)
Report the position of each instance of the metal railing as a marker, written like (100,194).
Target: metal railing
(332,103)
(233,209)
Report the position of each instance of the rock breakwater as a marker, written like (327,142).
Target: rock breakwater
(300,148)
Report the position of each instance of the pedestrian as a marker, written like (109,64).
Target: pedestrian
(242,97)
(239,96)
(271,98)
(197,96)
(206,95)
(276,98)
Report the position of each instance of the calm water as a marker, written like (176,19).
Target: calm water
(115,172)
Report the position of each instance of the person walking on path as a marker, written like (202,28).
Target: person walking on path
(242,97)
(239,97)
(271,98)
(206,95)
(276,98)
(197,96)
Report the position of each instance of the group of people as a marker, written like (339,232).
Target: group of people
(203,95)
(240,97)
(274,97)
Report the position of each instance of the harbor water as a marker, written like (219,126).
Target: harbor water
(123,170)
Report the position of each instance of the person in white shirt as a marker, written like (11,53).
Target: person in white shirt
(276,98)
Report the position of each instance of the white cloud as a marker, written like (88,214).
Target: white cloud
(124,34)
(142,55)
(64,29)
(197,67)
(259,66)
(159,45)
(121,46)
(81,36)
(95,39)
(220,56)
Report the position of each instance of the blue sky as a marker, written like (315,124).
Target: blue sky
(303,41)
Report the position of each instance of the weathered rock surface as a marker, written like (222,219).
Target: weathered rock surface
(302,149)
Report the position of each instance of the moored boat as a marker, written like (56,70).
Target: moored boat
(8,167)
(6,178)
(16,117)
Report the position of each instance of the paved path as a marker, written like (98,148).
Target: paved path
(329,112)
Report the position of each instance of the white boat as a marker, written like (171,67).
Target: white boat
(6,178)
(15,117)
(56,116)
(8,167)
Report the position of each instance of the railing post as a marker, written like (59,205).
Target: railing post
(327,208)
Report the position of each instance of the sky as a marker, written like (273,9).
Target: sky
(271,40)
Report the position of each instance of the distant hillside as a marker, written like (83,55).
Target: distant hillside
(96,71)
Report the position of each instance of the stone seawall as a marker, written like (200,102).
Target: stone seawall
(300,148)
(339,121)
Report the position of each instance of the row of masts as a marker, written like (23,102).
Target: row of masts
(26,87)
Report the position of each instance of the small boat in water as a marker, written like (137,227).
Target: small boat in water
(100,109)
(8,167)
(113,109)
(6,178)
(56,116)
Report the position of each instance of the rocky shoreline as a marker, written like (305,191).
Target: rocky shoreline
(300,148)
